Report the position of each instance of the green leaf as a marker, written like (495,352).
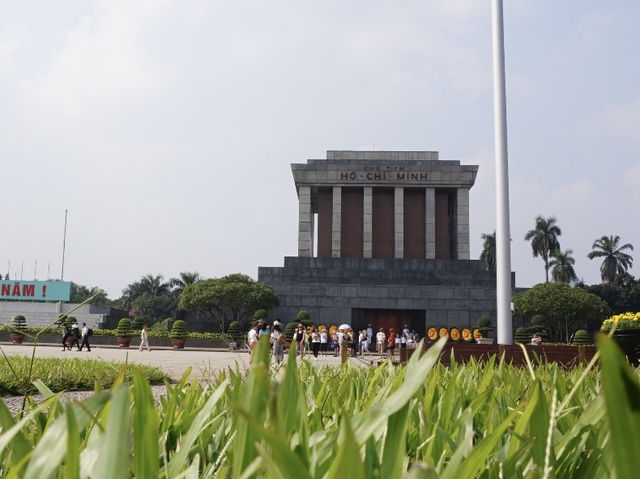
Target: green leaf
(395,444)
(19,445)
(145,430)
(347,462)
(115,452)
(72,459)
(622,399)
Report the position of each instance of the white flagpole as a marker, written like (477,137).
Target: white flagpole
(503,236)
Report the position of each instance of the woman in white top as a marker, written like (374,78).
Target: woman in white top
(380,338)
(324,338)
(315,342)
(252,337)
(144,338)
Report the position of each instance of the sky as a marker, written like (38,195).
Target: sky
(167,128)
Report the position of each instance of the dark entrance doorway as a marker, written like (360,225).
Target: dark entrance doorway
(389,318)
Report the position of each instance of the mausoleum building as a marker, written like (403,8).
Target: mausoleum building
(383,239)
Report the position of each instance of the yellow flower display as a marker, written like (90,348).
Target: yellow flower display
(622,321)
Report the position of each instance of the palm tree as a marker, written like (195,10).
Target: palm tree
(615,261)
(544,240)
(153,285)
(562,266)
(488,255)
(183,280)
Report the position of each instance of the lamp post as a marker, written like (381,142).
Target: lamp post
(503,246)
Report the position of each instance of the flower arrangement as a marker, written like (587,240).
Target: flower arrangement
(454,334)
(467,335)
(432,334)
(622,321)
(443,332)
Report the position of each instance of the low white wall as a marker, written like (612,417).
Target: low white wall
(40,314)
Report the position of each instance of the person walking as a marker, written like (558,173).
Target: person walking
(315,342)
(277,340)
(85,337)
(144,338)
(66,333)
(75,334)
(324,338)
(391,342)
(380,339)
(300,338)
(252,337)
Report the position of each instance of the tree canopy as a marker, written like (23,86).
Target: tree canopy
(561,305)
(234,297)
(562,266)
(544,240)
(79,293)
(488,255)
(615,261)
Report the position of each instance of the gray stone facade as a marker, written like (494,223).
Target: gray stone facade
(39,314)
(450,292)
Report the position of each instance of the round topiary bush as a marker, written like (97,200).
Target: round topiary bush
(259,314)
(19,322)
(304,317)
(124,328)
(538,321)
(235,330)
(138,322)
(289,329)
(522,336)
(178,330)
(582,337)
(484,325)
(70,321)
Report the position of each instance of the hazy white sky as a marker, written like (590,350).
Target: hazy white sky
(167,127)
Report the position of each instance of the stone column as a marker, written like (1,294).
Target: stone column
(462,223)
(398,208)
(430,223)
(305,222)
(367,234)
(336,222)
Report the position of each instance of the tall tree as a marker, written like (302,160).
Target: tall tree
(544,240)
(488,255)
(234,297)
(615,260)
(183,280)
(79,293)
(562,266)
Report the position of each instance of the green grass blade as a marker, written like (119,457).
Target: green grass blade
(145,430)
(72,459)
(395,444)
(180,460)
(19,445)
(622,399)
(347,462)
(115,452)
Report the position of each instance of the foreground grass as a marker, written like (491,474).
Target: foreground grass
(68,374)
(423,420)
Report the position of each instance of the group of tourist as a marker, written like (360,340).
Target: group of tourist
(344,341)
(75,334)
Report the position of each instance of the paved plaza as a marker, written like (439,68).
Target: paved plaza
(204,363)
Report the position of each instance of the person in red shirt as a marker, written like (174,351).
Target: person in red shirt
(391,342)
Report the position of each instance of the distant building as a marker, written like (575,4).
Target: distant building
(383,239)
(39,314)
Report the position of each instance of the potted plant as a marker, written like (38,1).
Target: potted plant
(483,326)
(626,333)
(235,335)
(581,337)
(19,323)
(178,334)
(124,333)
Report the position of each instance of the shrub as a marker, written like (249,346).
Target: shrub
(138,322)
(19,322)
(235,330)
(582,337)
(179,330)
(124,328)
(259,314)
(289,329)
(522,335)
(484,325)
(304,317)
(538,321)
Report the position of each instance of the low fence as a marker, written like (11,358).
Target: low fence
(47,338)
(566,356)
